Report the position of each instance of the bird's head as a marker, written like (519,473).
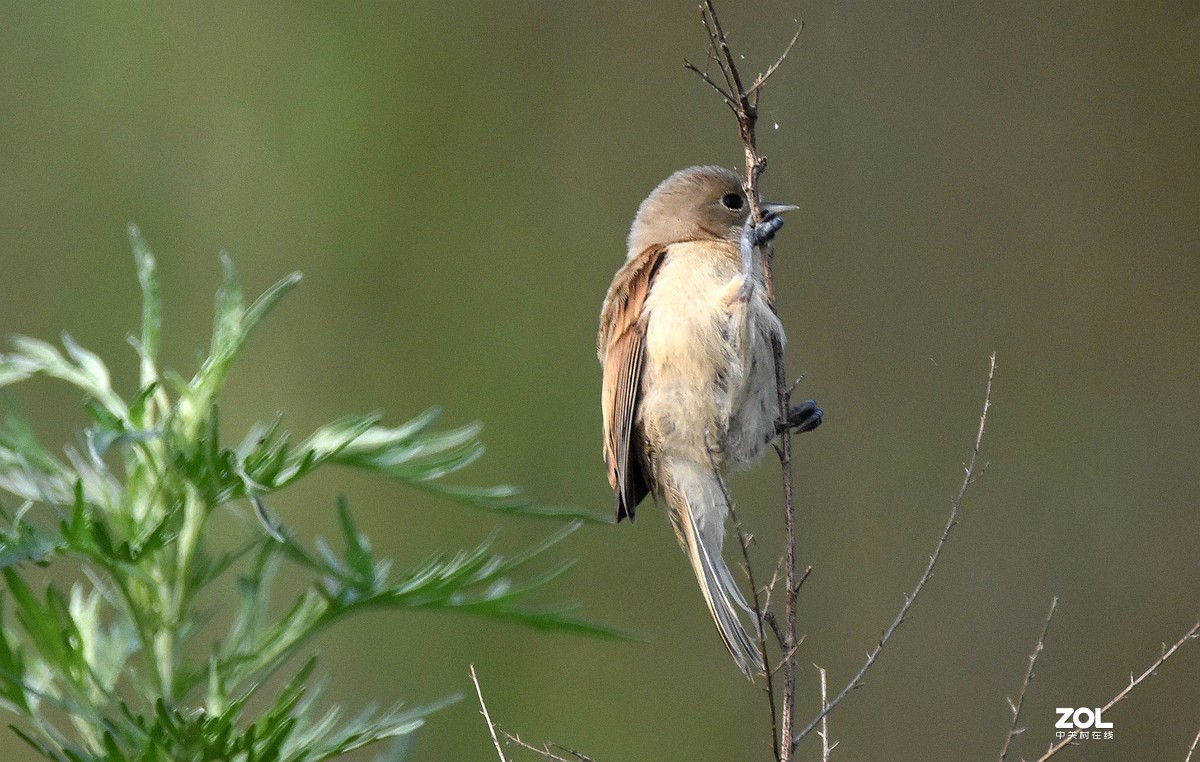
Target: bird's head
(704,203)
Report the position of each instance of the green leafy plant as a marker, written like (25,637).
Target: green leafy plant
(113,667)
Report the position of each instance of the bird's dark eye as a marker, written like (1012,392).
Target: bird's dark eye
(732,201)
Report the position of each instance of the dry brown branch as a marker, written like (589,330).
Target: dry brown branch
(760,607)
(1015,706)
(1191,634)
(768,614)
(761,79)
(484,711)
(544,750)
(969,477)
(744,104)
(760,619)
(741,100)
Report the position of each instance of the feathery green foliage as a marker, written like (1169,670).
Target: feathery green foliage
(107,668)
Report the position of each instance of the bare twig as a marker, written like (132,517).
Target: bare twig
(969,476)
(826,749)
(1192,748)
(761,79)
(729,101)
(1013,731)
(759,607)
(1191,634)
(484,711)
(744,104)
(767,613)
(544,750)
(742,100)
(788,710)
(760,621)
(769,588)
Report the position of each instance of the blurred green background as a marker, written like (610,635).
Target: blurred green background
(456,180)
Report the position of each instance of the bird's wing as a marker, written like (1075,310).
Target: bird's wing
(620,346)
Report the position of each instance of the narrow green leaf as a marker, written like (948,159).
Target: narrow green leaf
(12,671)
(151,306)
(358,549)
(227,316)
(89,364)
(140,406)
(265,303)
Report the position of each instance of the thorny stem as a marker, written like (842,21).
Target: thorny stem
(743,102)
(1191,634)
(544,750)
(760,615)
(487,717)
(1192,748)
(1013,732)
(969,477)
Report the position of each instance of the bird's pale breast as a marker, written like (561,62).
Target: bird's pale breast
(709,380)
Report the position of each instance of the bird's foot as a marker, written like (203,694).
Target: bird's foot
(803,417)
(756,234)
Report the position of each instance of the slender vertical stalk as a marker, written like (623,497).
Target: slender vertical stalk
(743,101)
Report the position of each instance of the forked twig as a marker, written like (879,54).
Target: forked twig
(484,711)
(544,750)
(744,104)
(760,609)
(969,477)
(1191,634)
(761,79)
(741,100)
(1013,732)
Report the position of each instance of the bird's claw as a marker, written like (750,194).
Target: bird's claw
(762,232)
(803,417)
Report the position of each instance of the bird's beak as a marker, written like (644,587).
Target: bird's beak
(778,208)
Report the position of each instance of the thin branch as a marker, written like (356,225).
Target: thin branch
(769,589)
(1013,732)
(761,79)
(826,749)
(729,100)
(744,104)
(969,476)
(720,45)
(544,750)
(788,711)
(484,710)
(768,614)
(1192,748)
(737,97)
(759,620)
(759,607)
(1191,634)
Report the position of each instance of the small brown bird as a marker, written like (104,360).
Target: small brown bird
(689,389)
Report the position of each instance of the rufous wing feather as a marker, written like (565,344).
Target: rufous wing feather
(621,351)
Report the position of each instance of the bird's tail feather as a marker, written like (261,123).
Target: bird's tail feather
(698,507)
